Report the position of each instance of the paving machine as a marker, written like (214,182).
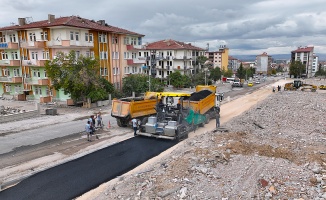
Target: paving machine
(180,113)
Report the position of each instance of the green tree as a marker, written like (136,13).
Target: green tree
(241,72)
(176,79)
(228,73)
(321,71)
(78,77)
(297,69)
(138,83)
(215,74)
(250,72)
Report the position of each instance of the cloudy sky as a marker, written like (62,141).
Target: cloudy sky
(247,27)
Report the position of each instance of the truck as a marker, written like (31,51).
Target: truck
(141,108)
(237,83)
(174,121)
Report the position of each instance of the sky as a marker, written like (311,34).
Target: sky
(246,27)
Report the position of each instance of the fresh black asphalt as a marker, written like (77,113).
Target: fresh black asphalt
(74,178)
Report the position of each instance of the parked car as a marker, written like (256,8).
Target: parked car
(257,82)
(250,84)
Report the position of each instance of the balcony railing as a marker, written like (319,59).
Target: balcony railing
(9,45)
(37,81)
(140,60)
(182,57)
(69,43)
(8,79)
(39,63)
(33,44)
(10,62)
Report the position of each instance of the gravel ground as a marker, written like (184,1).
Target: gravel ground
(275,150)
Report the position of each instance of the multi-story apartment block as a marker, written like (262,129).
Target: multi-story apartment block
(315,65)
(25,47)
(306,56)
(219,58)
(263,61)
(161,58)
(233,64)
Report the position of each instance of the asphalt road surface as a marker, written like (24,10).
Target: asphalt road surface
(74,178)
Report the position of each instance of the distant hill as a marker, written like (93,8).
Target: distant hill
(247,58)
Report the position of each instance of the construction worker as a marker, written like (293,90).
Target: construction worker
(135,125)
(217,116)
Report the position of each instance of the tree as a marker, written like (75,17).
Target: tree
(297,69)
(215,74)
(250,72)
(241,72)
(228,73)
(321,71)
(176,79)
(78,77)
(138,83)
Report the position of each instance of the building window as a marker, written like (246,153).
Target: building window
(8,88)
(46,55)
(115,55)
(38,90)
(44,35)
(77,54)
(114,40)
(91,37)
(126,55)
(18,88)
(12,38)
(3,38)
(86,37)
(133,41)
(126,40)
(32,37)
(47,91)
(36,73)
(16,72)
(71,35)
(102,38)
(34,56)
(77,36)
(4,55)
(14,55)
(104,71)
(103,55)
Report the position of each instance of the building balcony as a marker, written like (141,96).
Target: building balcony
(181,67)
(182,57)
(8,79)
(69,44)
(37,81)
(10,62)
(140,60)
(33,44)
(9,45)
(34,63)
(45,99)
(134,47)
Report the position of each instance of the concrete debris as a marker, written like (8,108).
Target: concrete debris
(281,159)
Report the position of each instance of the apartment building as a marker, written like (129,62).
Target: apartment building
(233,64)
(25,47)
(161,58)
(306,56)
(219,58)
(315,65)
(263,62)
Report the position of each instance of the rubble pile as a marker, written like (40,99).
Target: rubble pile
(10,110)
(275,150)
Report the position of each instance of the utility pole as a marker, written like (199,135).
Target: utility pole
(152,68)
